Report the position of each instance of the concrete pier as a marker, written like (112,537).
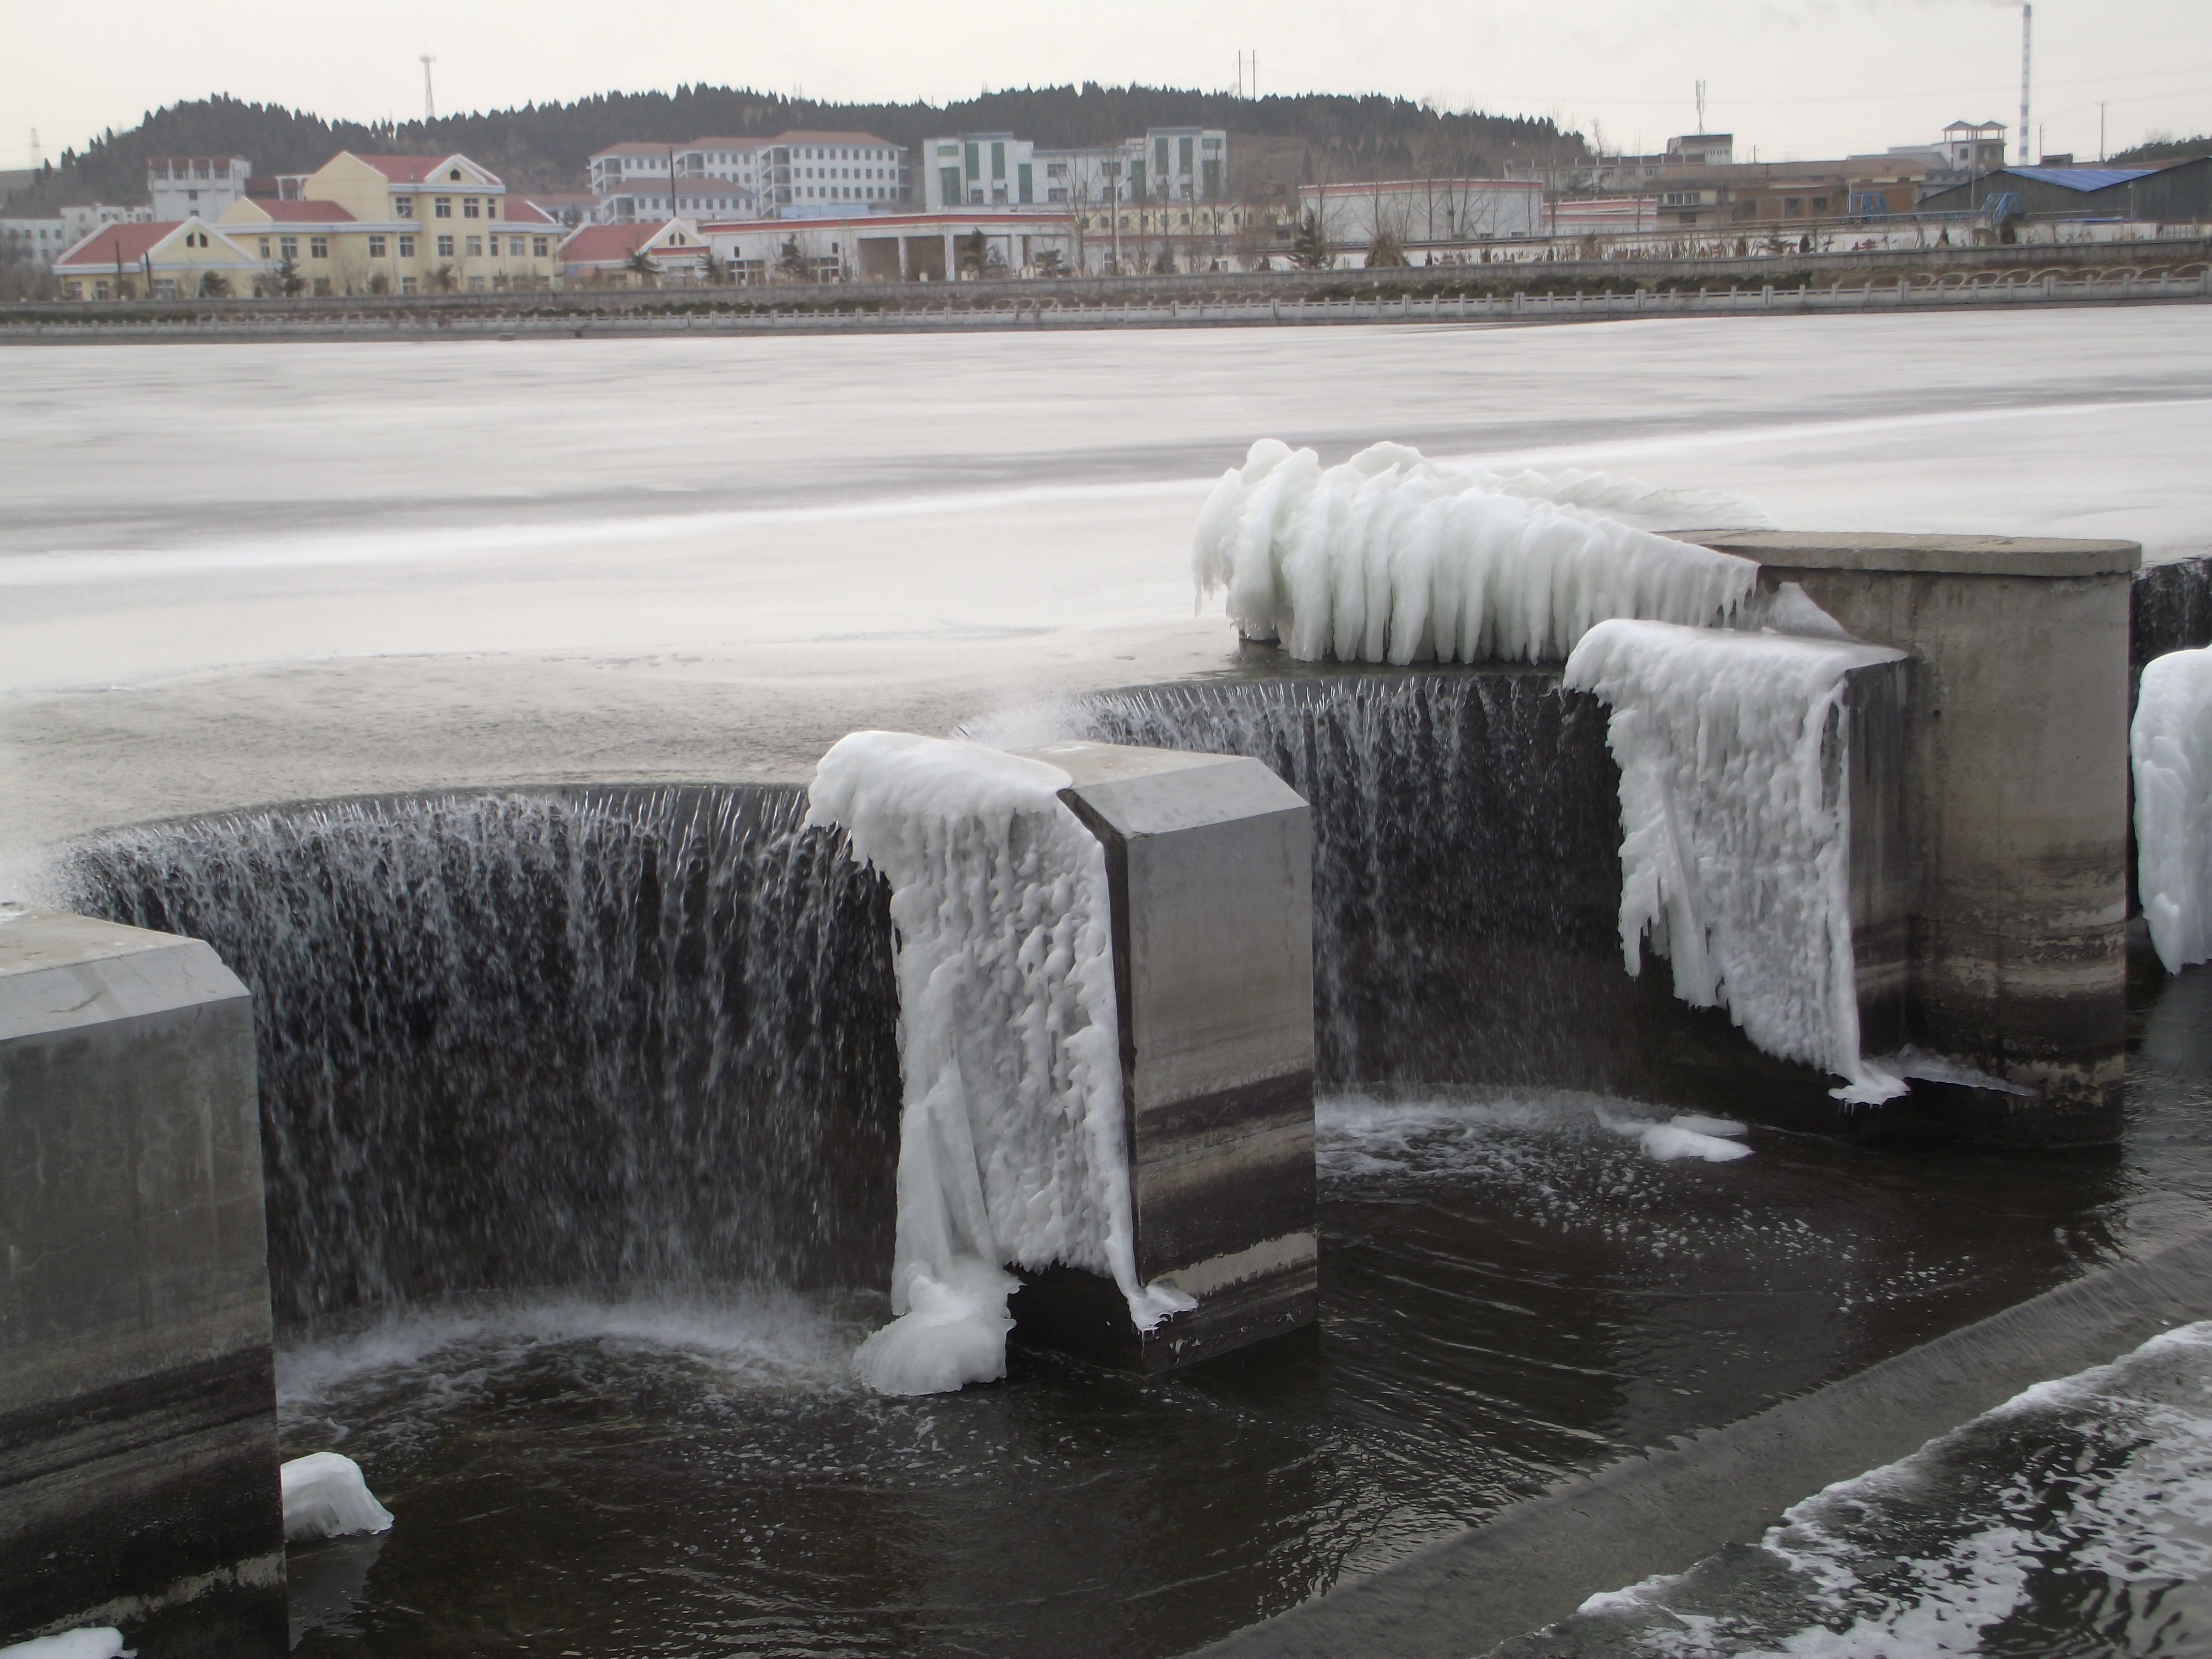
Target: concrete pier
(138,1462)
(1210,862)
(2015,805)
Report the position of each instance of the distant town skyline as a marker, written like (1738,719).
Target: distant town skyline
(1791,78)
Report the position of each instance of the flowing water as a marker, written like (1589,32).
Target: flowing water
(580,1109)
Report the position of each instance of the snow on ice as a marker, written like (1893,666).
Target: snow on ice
(325,1497)
(1736,821)
(1011,1140)
(2171,745)
(1394,558)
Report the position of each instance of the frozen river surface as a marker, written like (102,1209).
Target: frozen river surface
(242,572)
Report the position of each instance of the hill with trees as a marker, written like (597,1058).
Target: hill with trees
(1276,144)
(2162,149)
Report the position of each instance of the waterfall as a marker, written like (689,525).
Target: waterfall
(1467,880)
(591,1036)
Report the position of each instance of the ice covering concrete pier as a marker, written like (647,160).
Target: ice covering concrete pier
(1209,862)
(137,1401)
(2015,805)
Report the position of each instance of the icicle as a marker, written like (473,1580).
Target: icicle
(1735,827)
(1393,558)
(2171,745)
(1011,1148)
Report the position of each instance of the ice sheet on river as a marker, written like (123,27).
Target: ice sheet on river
(1392,557)
(1011,1140)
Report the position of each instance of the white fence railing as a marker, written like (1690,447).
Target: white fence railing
(1984,290)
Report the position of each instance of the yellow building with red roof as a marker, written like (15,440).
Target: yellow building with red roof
(357,225)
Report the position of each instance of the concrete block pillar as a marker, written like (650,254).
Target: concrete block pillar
(138,1462)
(2016,802)
(1209,860)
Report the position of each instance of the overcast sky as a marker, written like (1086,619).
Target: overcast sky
(1794,78)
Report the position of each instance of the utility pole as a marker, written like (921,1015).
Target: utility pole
(429,102)
(2027,33)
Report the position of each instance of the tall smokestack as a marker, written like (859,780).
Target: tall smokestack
(2026,37)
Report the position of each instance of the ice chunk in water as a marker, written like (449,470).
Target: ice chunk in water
(1011,1148)
(1735,827)
(1393,558)
(1686,1135)
(2171,743)
(325,1497)
(94,1642)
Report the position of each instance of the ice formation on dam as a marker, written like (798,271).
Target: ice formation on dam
(325,1497)
(2171,743)
(1735,827)
(1394,558)
(1012,1146)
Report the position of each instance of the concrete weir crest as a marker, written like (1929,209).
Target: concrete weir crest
(138,1465)
(1209,863)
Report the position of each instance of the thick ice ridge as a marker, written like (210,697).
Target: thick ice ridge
(2171,745)
(1736,826)
(1011,1139)
(1394,558)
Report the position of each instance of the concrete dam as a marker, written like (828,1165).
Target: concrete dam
(622,1039)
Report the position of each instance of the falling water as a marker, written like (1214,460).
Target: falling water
(586,1036)
(1467,881)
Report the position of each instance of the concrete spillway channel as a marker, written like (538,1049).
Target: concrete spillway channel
(648,1036)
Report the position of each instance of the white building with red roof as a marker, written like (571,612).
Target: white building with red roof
(895,247)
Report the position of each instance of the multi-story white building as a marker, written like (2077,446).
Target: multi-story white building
(793,174)
(41,241)
(979,169)
(182,185)
(999,170)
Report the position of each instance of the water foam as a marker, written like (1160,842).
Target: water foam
(2076,1517)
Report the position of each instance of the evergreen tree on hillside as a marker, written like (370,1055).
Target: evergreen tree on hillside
(545,147)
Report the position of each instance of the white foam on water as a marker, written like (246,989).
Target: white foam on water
(760,1339)
(1735,827)
(1567,1162)
(2171,744)
(1011,1148)
(325,1496)
(1394,558)
(2076,1517)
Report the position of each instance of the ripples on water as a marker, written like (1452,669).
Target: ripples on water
(1511,1291)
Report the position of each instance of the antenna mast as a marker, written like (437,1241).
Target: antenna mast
(1701,107)
(429,102)
(2027,33)
(37,157)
